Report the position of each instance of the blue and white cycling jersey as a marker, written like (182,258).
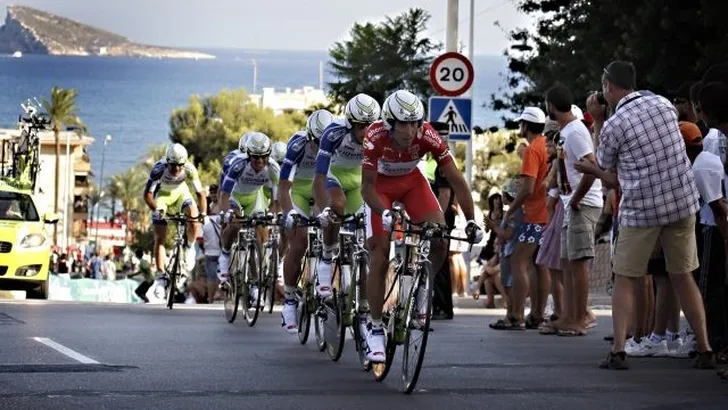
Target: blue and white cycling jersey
(228,161)
(161,178)
(338,148)
(242,178)
(300,161)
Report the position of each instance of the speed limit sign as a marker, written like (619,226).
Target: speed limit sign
(451,74)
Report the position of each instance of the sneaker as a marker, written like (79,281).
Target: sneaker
(253,295)
(189,259)
(631,346)
(674,345)
(704,360)
(649,349)
(686,350)
(375,344)
(363,331)
(615,361)
(288,315)
(323,287)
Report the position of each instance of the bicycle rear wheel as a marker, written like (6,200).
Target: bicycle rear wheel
(251,286)
(358,270)
(172,278)
(231,288)
(417,327)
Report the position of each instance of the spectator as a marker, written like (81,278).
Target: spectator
(442,303)
(458,270)
(143,268)
(63,264)
(683,104)
(211,242)
(95,266)
(642,142)
(109,267)
(532,197)
(582,208)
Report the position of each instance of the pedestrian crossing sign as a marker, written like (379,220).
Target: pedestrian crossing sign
(455,112)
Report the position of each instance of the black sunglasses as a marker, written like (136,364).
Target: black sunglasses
(259,156)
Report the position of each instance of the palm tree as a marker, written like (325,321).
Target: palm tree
(62,110)
(127,187)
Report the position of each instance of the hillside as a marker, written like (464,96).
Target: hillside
(33,31)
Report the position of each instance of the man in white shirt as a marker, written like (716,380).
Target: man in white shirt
(709,171)
(211,243)
(583,204)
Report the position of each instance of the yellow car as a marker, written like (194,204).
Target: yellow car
(25,249)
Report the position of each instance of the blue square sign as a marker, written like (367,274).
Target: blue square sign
(454,111)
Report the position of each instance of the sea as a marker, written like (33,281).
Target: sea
(131,99)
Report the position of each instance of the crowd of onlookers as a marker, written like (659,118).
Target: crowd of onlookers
(646,171)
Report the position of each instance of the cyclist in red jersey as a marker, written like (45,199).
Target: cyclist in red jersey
(392,149)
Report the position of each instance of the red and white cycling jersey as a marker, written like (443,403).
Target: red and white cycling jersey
(381,154)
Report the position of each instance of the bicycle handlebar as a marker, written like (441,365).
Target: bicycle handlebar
(183,218)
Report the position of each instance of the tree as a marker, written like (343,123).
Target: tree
(495,160)
(670,42)
(381,58)
(62,110)
(210,127)
(128,187)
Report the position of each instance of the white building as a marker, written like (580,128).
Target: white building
(75,170)
(290,99)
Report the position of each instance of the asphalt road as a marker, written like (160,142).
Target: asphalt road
(144,357)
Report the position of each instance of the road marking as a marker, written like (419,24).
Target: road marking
(66,351)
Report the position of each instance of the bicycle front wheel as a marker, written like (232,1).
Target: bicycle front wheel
(417,328)
(251,286)
(231,288)
(172,274)
(334,326)
(269,286)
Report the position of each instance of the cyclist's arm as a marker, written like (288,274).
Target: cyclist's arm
(295,151)
(330,140)
(194,177)
(284,192)
(228,182)
(459,187)
(152,184)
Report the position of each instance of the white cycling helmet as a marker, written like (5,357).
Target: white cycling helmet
(258,144)
(176,154)
(278,152)
(244,141)
(317,123)
(362,109)
(402,106)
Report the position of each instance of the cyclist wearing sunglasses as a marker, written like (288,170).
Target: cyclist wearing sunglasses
(296,194)
(392,150)
(166,192)
(243,189)
(230,157)
(338,173)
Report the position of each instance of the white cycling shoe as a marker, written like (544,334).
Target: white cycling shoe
(324,272)
(288,314)
(375,344)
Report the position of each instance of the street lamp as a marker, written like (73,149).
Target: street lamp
(101,189)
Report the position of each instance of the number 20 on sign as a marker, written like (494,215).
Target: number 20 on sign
(451,74)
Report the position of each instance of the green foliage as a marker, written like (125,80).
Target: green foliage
(381,58)
(494,161)
(211,126)
(670,42)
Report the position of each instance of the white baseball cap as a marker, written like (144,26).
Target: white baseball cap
(534,115)
(577,112)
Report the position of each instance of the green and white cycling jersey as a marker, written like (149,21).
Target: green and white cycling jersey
(170,191)
(299,166)
(246,185)
(339,158)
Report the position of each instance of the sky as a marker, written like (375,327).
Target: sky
(274,24)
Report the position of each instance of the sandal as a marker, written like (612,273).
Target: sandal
(570,333)
(547,329)
(507,324)
(533,323)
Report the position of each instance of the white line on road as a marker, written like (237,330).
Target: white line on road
(66,351)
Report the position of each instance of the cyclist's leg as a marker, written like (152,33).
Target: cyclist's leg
(298,243)
(229,233)
(189,207)
(259,205)
(422,206)
(165,201)
(378,242)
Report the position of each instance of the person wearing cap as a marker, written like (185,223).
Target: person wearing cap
(583,202)
(532,198)
(642,144)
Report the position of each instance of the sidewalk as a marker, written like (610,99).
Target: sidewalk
(597,301)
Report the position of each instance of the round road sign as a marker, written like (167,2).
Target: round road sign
(451,74)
